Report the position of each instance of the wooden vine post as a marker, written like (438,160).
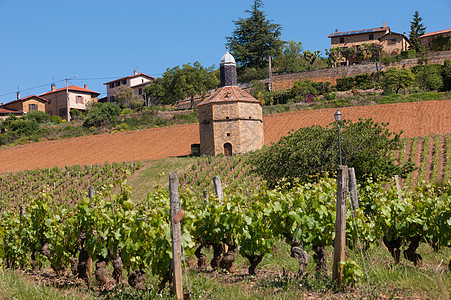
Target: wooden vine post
(176,234)
(218,188)
(340,223)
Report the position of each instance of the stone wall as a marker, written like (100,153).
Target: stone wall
(286,81)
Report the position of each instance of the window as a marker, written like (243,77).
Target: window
(32,107)
(357,48)
(140,91)
(118,83)
(111,85)
(371,37)
(228,133)
(342,40)
(391,42)
(124,81)
(62,112)
(79,100)
(112,99)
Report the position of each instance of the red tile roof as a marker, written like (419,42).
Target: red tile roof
(10,111)
(26,98)
(132,76)
(435,33)
(229,94)
(72,88)
(362,31)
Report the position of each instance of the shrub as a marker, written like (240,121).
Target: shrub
(38,116)
(57,119)
(102,114)
(126,111)
(25,127)
(345,84)
(313,151)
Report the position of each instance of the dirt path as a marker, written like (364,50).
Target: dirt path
(415,119)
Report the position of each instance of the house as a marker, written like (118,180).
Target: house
(429,39)
(6,112)
(137,82)
(391,42)
(72,97)
(27,104)
(230,120)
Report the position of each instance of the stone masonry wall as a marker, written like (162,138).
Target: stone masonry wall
(286,81)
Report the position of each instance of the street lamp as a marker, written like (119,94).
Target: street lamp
(337,116)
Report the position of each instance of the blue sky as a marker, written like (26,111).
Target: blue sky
(47,41)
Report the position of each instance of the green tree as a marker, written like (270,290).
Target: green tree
(428,77)
(126,97)
(446,73)
(155,91)
(310,56)
(188,81)
(102,115)
(313,151)
(290,60)
(371,52)
(333,55)
(348,53)
(395,80)
(255,39)
(38,116)
(417,29)
(301,89)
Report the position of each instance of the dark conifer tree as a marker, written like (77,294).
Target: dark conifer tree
(417,29)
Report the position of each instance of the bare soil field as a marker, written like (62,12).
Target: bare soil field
(414,119)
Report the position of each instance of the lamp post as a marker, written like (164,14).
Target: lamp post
(337,116)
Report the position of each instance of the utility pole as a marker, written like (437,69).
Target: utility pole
(67,102)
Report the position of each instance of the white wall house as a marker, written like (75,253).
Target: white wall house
(136,81)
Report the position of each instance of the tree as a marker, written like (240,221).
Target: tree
(102,115)
(348,53)
(371,52)
(290,60)
(312,152)
(155,91)
(446,73)
(302,89)
(333,54)
(395,80)
(417,29)
(255,39)
(179,83)
(310,57)
(428,77)
(126,97)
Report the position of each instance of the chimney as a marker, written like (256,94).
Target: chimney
(336,30)
(52,87)
(134,72)
(384,24)
(18,95)
(86,86)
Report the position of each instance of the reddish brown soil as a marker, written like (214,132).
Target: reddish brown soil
(415,119)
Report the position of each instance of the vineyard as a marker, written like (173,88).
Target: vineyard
(112,239)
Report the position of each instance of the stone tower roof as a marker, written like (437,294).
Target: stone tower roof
(229,94)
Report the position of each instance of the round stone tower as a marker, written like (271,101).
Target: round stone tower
(230,120)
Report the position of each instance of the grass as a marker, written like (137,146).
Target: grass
(155,174)
(17,285)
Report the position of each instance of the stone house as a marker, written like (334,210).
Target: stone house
(72,97)
(426,39)
(391,42)
(230,120)
(137,82)
(27,104)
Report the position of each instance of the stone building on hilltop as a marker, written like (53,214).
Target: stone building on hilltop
(230,120)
